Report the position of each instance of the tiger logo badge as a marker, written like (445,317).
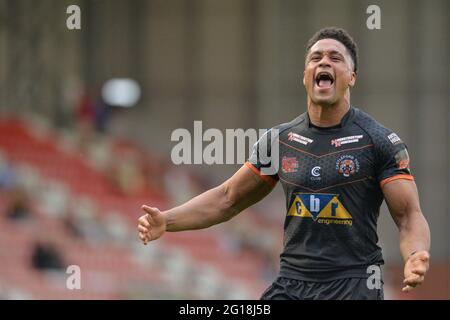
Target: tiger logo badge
(347,165)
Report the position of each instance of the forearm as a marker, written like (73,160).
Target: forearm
(207,209)
(220,204)
(414,234)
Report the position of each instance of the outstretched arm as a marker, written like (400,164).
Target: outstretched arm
(403,202)
(214,206)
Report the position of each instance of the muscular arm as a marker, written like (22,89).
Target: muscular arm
(403,202)
(214,206)
(219,204)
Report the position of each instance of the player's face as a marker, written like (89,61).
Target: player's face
(328,72)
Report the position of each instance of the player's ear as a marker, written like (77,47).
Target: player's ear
(352,81)
(303,77)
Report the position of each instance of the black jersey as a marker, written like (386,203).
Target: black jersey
(332,179)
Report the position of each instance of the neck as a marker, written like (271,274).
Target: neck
(328,115)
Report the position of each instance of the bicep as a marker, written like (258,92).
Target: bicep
(246,188)
(402,199)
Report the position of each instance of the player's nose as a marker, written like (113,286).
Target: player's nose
(324,62)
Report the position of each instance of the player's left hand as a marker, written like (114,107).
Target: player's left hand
(415,269)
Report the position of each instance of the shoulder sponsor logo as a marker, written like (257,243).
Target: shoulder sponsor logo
(289,164)
(394,138)
(347,165)
(345,140)
(321,208)
(298,138)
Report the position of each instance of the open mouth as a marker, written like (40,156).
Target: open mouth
(324,79)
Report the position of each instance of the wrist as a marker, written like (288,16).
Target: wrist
(167,220)
(409,256)
(416,252)
(412,253)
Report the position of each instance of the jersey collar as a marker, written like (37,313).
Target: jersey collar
(346,120)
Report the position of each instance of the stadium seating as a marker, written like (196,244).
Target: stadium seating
(111,269)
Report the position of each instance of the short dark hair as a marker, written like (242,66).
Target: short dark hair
(340,35)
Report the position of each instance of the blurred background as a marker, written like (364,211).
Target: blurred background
(86,118)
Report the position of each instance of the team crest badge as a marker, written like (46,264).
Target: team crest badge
(347,165)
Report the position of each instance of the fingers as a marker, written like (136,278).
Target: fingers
(150,220)
(411,286)
(420,270)
(146,236)
(143,229)
(144,222)
(407,289)
(143,238)
(412,281)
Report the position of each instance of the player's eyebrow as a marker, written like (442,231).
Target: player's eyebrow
(329,52)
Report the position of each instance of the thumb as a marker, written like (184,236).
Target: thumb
(154,213)
(151,211)
(423,255)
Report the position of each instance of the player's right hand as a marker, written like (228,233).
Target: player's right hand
(151,225)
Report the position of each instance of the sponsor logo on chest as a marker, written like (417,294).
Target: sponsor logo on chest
(346,140)
(299,138)
(289,164)
(316,173)
(321,208)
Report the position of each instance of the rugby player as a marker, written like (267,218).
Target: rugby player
(336,166)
